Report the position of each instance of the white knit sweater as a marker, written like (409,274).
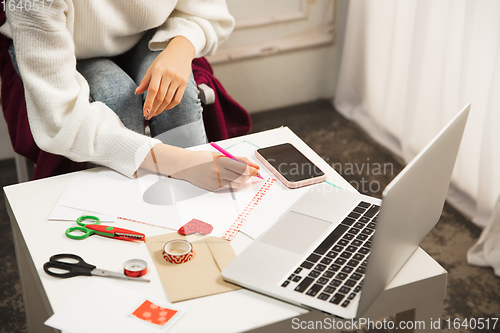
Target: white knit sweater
(49,40)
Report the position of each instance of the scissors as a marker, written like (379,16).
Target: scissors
(80,267)
(94,227)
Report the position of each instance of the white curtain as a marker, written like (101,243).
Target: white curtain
(407,68)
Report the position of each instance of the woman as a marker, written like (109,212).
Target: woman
(94,70)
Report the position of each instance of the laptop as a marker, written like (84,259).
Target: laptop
(335,251)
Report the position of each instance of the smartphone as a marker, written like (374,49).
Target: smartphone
(290,166)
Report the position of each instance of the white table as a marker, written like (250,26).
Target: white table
(416,293)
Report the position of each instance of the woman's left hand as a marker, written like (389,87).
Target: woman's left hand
(167,77)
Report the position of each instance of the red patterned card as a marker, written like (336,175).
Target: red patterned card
(153,313)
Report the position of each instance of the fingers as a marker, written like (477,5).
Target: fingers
(176,100)
(230,173)
(142,88)
(144,84)
(250,163)
(154,95)
(165,91)
(252,167)
(236,173)
(255,173)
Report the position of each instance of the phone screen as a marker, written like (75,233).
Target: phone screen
(290,162)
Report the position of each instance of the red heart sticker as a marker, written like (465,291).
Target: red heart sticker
(196,226)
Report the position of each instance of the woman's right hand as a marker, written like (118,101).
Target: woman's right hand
(205,169)
(213,171)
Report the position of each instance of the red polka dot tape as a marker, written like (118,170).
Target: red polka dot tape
(178,251)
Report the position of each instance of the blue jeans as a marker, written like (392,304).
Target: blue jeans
(113,81)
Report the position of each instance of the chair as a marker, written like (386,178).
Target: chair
(21,168)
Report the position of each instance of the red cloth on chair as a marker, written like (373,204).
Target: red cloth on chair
(223,119)
(14,111)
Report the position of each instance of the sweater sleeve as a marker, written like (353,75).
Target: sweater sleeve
(61,118)
(205,23)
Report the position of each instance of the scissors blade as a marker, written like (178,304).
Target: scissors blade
(114,275)
(133,236)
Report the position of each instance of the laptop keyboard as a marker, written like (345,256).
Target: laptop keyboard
(335,270)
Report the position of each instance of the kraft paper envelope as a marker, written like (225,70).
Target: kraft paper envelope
(198,277)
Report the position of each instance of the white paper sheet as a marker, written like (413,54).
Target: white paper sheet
(102,307)
(172,203)
(156,199)
(64,213)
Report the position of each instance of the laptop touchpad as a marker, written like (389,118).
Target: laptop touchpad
(295,232)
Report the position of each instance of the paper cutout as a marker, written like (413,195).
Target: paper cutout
(153,313)
(194,226)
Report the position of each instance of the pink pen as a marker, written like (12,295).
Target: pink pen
(227,154)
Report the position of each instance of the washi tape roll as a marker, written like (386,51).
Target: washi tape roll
(135,268)
(178,251)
